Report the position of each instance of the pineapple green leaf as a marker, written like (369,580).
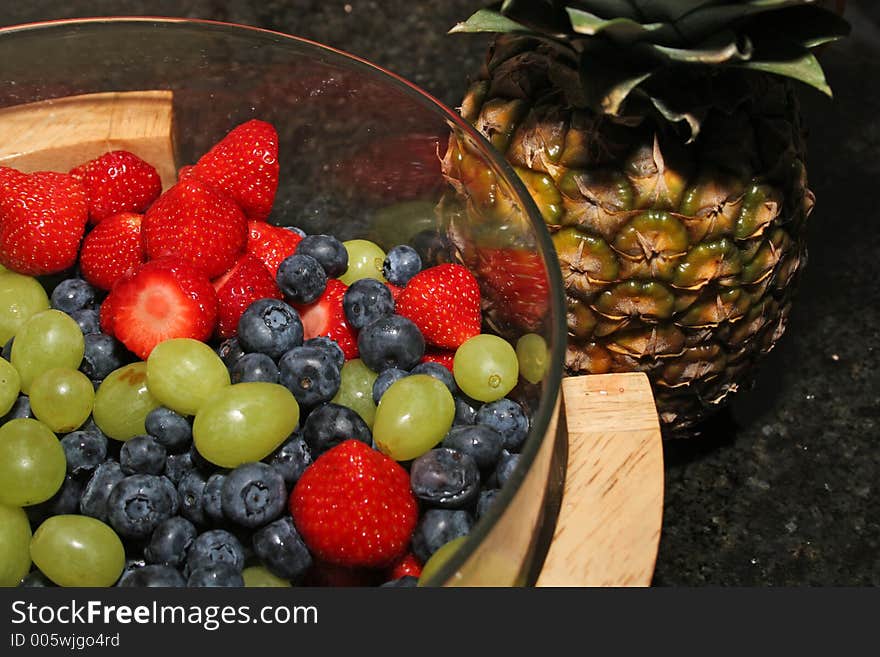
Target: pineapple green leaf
(621,30)
(669,12)
(693,118)
(698,25)
(804,67)
(488,20)
(723,48)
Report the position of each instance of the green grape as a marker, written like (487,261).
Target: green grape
(74,550)
(260,577)
(47,340)
(399,223)
(21,297)
(183,374)
(364,261)
(123,401)
(244,422)
(437,560)
(32,463)
(62,399)
(533,357)
(356,389)
(10,386)
(15,539)
(485,367)
(413,416)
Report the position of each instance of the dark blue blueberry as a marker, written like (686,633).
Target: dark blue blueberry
(391,341)
(97,491)
(20,409)
(365,301)
(215,546)
(328,251)
(202,464)
(72,294)
(436,528)
(253,494)
(465,409)
(507,418)
(281,549)
(331,424)
(64,502)
(142,455)
(170,542)
(103,354)
(254,367)
(212,503)
(481,443)
(152,576)
(384,381)
(485,501)
(401,264)
(138,503)
(191,491)
(296,230)
(230,351)
(507,462)
(445,478)
(311,374)
(432,247)
(170,429)
(330,345)
(291,459)
(88,319)
(7,349)
(177,466)
(215,575)
(439,372)
(36,579)
(84,450)
(405,582)
(301,278)
(271,327)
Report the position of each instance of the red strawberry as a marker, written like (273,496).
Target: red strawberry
(353,507)
(395,290)
(112,249)
(116,182)
(163,299)
(516,285)
(442,356)
(246,282)
(322,573)
(195,223)
(326,317)
(42,220)
(444,302)
(271,244)
(407,565)
(244,166)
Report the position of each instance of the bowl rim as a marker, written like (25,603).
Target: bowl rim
(552,386)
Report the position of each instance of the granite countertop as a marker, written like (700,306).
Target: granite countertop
(782,489)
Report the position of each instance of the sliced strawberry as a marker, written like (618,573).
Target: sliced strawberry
(118,181)
(163,299)
(246,282)
(197,224)
(271,244)
(444,302)
(326,317)
(516,285)
(444,357)
(107,316)
(112,249)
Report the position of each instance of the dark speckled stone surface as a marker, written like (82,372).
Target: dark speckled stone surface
(782,489)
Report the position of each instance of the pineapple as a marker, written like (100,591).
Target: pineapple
(662,143)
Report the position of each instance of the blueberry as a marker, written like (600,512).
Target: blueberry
(328,251)
(507,462)
(483,444)
(212,503)
(84,450)
(485,501)
(436,528)
(271,327)
(407,581)
(384,381)
(72,294)
(291,459)
(465,410)
(507,418)
(20,409)
(154,575)
(170,429)
(439,372)
(103,354)
(391,341)
(142,455)
(446,478)
(331,424)
(230,351)
(63,502)
(138,503)
(281,549)
(296,230)
(365,301)
(330,345)
(311,374)
(36,579)
(88,319)
(253,494)
(301,278)
(254,367)
(215,575)
(177,466)
(432,247)
(96,494)
(200,462)
(191,491)
(170,541)
(215,546)
(401,264)
(7,349)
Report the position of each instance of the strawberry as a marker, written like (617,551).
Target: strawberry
(112,249)
(395,290)
(326,317)
(322,573)
(244,166)
(271,244)
(246,282)
(442,356)
(353,507)
(163,299)
(42,220)
(407,565)
(444,302)
(195,223)
(516,285)
(118,181)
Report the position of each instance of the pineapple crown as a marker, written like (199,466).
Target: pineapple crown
(670,53)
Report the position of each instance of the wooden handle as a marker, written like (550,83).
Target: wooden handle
(608,530)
